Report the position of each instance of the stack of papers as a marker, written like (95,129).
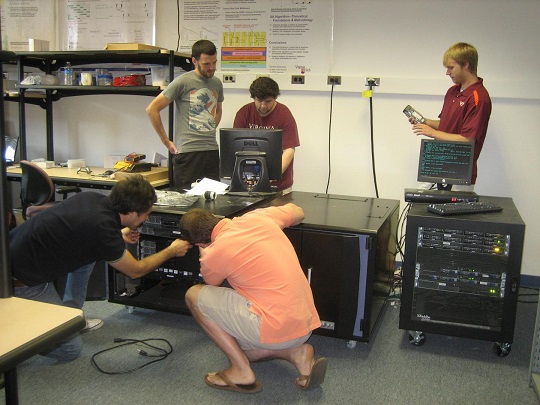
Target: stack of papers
(208,185)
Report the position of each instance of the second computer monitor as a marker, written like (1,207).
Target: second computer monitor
(445,162)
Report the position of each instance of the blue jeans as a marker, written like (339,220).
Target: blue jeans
(75,293)
(76,286)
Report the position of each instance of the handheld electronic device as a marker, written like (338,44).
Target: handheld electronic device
(411,112)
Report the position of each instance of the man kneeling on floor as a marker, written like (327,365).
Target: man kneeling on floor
(269,312)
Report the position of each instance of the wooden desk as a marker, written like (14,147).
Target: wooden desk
(29,327)
(63,176)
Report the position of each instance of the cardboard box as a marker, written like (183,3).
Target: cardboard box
(76,163)
(47,164)
(157,173)
(37,44)
(130,46)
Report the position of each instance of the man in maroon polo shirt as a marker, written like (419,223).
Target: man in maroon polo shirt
(466,108)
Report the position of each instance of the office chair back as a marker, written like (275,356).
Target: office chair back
(37,187)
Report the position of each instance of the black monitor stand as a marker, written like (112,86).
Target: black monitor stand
(446,187)
(250,173)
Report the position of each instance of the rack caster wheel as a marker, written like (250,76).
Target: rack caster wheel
(130,308)
(502,349)
(351,344)
(417,338)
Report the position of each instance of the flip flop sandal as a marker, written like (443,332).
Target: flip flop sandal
(316,377)
(243,388)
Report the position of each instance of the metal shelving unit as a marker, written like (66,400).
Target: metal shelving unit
(51,61)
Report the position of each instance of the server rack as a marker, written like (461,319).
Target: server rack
(461,274)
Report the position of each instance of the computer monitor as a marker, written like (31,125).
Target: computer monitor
(10,151)
(250,158)
(445,163)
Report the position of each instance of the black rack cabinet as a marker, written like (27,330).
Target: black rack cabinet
(347,247)
(461,274)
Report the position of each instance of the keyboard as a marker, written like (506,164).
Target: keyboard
(459,208)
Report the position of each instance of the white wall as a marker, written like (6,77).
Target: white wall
(400,41)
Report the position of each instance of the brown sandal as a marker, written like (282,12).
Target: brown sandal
(243,388)
(316,377)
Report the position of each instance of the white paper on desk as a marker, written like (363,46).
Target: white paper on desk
(207,184)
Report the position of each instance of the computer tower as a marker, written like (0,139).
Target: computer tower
(461,274)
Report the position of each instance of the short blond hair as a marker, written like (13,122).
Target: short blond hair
(462,53)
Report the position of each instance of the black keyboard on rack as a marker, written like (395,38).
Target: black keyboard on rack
(460,208)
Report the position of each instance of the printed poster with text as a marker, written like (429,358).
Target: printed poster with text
(22,20)
(274,36)
(92,24)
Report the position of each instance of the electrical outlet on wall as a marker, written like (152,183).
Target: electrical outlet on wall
(373,81)
(297,79)
(335,80)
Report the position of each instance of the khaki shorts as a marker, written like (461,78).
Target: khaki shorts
(230,311)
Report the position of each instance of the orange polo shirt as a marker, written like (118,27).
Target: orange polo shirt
(259,262)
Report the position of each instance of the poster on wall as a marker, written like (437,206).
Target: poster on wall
(22,20)
(92,24)
(273,36)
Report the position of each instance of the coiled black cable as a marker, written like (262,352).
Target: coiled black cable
(161,353)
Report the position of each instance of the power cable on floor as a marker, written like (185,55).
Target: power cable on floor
(159,353)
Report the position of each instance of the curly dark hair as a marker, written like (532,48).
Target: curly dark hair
(133,194)
(264,87)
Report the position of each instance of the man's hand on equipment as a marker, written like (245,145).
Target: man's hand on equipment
(181,247)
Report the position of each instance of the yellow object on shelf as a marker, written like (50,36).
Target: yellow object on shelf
(122,165)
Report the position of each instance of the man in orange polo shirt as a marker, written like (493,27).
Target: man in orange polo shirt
(269,312)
